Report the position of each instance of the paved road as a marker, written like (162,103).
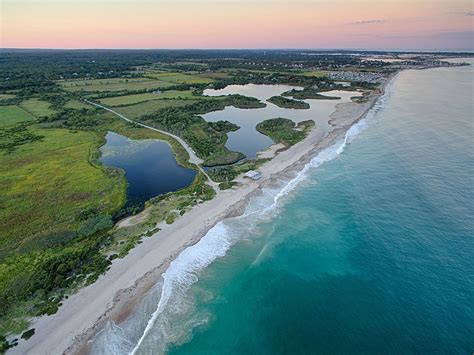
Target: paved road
(193,158)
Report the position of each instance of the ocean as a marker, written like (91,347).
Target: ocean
(369,249)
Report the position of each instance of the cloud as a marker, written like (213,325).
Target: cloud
(379,36)
(460,36)
(462,13)
(367,22)
(463,35)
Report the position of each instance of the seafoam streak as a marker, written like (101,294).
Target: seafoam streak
(183,272)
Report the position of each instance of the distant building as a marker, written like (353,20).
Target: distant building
(252,174)
(343,83)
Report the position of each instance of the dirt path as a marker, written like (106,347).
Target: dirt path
(193,158)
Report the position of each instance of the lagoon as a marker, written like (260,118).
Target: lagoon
(247,139)
(149,165)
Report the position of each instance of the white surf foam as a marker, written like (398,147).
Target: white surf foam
(183,272)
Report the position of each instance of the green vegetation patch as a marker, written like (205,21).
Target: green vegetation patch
(284,130)
(6,96)
(116,84)
(37,108)
(214,75)
(316,73)
(138,98)
(181,78)
(225,174)
(77,105)
(208,140)
(285,102)
(148,107)
(309,93)
(11,115)
(166,208)
(46,184)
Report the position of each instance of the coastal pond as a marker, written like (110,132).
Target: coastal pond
(149,165)
(247,139)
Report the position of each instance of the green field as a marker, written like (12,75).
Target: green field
(214,75)
(115,84)
(11,115)
(77,105)
(137,110)
(46,184)
(6,96)
(37,107)
(316,73)
(137,98)
(180,78)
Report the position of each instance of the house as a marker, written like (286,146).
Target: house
(252,174)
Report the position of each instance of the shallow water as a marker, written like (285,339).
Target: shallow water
(247,139)
(367,250)
(149,164)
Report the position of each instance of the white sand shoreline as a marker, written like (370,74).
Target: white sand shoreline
(115,293)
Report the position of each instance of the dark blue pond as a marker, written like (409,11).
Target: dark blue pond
(149,164)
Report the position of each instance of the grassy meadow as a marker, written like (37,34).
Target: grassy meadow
(47,184)
(37,108)
(77,105)
(137,98)
(11,115)
(137,110)
(180,78)
(116,84)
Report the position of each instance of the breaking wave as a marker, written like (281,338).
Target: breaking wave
(166,314)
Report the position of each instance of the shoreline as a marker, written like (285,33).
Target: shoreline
(114,295)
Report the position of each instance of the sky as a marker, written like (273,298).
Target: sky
(318,24)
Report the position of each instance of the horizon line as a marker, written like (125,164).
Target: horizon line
(250,49)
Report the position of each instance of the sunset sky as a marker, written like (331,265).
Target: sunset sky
(359,24)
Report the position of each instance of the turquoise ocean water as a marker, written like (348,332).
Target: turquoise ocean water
(370,249)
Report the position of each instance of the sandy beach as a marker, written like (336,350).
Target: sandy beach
(115,293)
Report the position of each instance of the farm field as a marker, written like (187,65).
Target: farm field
(180,78)
(37,107)
(137,110)
(137,98)
(11,115)
(116,84)
(76,105)
(214,75)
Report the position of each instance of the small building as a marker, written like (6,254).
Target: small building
(343,83)
(252,174)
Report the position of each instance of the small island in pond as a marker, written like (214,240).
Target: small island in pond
(309,93)
(285,102)
(284,130)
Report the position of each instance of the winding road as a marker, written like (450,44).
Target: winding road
(193,158)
